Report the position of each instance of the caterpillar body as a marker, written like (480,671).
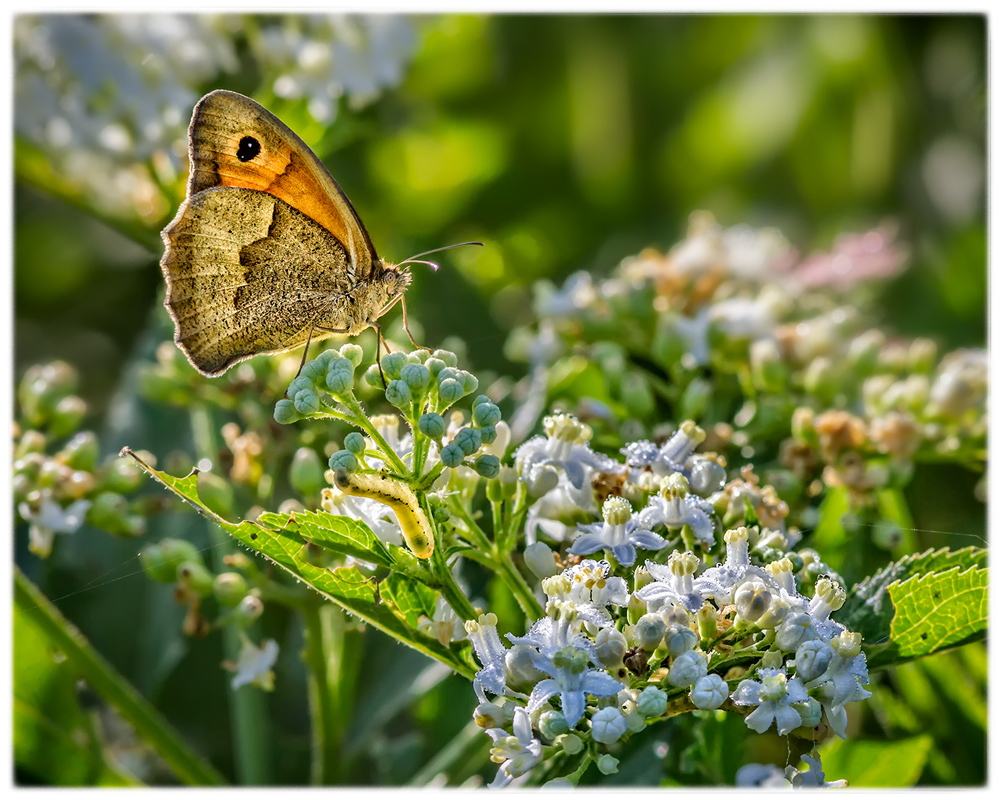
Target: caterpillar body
(400,498)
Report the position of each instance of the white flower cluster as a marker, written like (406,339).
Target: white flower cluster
(625,642)
(107,98)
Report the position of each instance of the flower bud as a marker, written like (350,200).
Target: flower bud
(486,465)
(299,384)
(452,455)
(306,402)
(708,621)
(344,460)
(432,425)
(649,631)
(194,577)
(709,692)
(812,659)
(392,363)
(679,639)
(687,668)
(570,743)
(315,370)
(652,702)
(107,511)
(707,477)
(67,416)
(811,712)
(489,715)
(448,357)
(486,414)
(415,376)
(608,725)
(398,394)
(80,452)
(521,670)
(340,376)
(285,413)
(306,472)
(611,646)
(752,599)
(469,382)
(123,475)
(373,377)
(160,560)
(450,391)
(352,353)
(470,440)
(249,609)
(355,442)
(607,764)
(552,724)
(229,588)
(539,558)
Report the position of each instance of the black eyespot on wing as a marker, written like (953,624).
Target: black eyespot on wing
(249,149)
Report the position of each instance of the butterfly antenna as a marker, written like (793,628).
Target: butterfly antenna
(415,259)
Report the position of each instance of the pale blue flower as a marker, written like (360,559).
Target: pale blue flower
(676,506)
(620,533)
(254,665)
(709,692)
(608,725)
(675,584)
(774,695)
(572,679)
(565,446)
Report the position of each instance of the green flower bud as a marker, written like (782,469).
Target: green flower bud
(216,493)
(416,376)
(306,402)
(249,609)
(67,416)
(607,764)
(373,377)
(486,465)
(451,391)
(494,491)
(392,363)
(480,400)
(488,434)
(552,723)
(81,451)
(432,425)
(107,511)
(301,383)
(285,413)
(570,743)
(447,373)
(434,365)
(448,357)
(652,702)
(352,353)
(122,476)
(485,415)
(160,560)
(229,588)
(193,576)
(315,370)
(398,394)
(345,460)
(469,382)
(340,376)
(306,472)
(31,442)
(355,442)
(470,440)
(452,455)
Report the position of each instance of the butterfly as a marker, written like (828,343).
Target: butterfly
(266,253)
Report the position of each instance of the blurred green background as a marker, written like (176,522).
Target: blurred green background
(563,143)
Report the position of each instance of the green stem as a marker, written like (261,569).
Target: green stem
(519,586)
(330,687)
(361,420)
(113,686)
(477,536)
(249,718)
(439,566)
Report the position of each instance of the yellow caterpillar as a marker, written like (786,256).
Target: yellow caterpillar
(400,498)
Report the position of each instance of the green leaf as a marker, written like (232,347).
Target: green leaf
(348,537)
(870,763)
(919,605)
(346,586)
(408,598)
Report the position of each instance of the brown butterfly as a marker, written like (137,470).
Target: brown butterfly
(267,253)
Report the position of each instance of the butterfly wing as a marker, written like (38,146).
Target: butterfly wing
(247,274)
(236,142)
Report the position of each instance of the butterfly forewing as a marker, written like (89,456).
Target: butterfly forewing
(234,141)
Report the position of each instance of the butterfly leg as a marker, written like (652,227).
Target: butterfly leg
(305,352)
(406,326)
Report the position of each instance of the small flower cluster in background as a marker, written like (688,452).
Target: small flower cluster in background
(122,143)
(767,351)
(60,482)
